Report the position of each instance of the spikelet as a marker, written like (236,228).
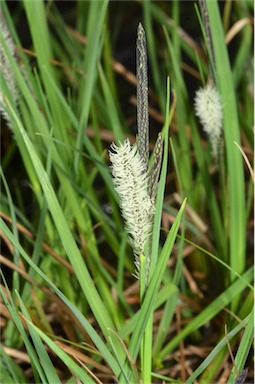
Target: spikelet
(142,95)
(6,69)
(131,181)
(136,186)
(155,171)
(208,107)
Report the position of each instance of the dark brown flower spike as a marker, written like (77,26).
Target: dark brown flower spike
(142,95)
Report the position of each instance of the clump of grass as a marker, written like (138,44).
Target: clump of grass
(71,309)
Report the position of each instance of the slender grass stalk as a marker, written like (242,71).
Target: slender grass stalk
(67,253)
(85,323)
(137,193)
(226,297)
(152,49)
(179,85)
(234,158)
(219,347)
(97,11)
(67,239)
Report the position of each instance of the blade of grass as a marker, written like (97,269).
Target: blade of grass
(181,108)
(189,46)
(152,291)
(147,340)
(161,186)
(97,12)
(69,244)
(37,19)
(85,323)
(67,360)
(165,293)
(169,308)
(244,347)
(152,53)
(209,312)
(232,135)
(110,103)
(243,53)
(221,240)
(38,372)
(222,344)
(82,217)
(10,372)
(46,363)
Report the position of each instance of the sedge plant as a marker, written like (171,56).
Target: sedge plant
(165,295)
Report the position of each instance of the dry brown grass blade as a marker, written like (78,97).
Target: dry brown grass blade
(18,355)
(246,160)
(5,261)
(236,28)
(76,354)
(44,245)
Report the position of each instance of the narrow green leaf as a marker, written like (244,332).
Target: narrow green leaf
(232,135)
(69,244)
(210,311)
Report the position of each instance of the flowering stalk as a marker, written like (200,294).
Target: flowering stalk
(154,175)
(142,94)
(131,181)
(208,107)
(136,186)
(208,37)
(6,69)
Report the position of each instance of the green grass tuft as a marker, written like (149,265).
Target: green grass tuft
(71,309)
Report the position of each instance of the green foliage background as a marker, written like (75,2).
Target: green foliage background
(69,302)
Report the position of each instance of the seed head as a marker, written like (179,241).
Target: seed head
(5,67)
(131,181)
(208,107)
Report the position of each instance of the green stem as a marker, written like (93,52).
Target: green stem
(146,344)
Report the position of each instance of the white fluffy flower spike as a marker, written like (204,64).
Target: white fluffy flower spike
(6,69)
(131,181)
(208,107)
(135,184)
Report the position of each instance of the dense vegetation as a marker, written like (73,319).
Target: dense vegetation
(72,311)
